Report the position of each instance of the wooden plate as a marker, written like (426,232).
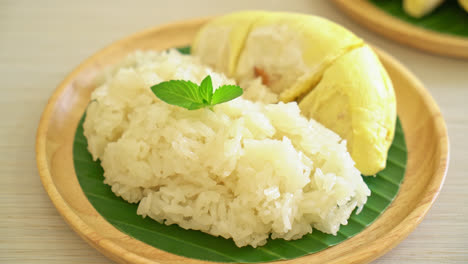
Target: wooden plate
(391,27)
(425,132)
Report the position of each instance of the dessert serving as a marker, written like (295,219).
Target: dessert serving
(317,110)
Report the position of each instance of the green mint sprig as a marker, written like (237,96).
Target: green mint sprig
(188,95)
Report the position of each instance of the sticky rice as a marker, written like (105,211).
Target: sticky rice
(246,170)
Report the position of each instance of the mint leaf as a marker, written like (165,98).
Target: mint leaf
(206,89)
(180,93)
(226,93)
(191,96)
(195,106)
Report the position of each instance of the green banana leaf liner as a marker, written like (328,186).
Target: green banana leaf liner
(198,245)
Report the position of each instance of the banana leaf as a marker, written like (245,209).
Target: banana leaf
(198,245)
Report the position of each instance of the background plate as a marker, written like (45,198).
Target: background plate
(425,134)
(444,32)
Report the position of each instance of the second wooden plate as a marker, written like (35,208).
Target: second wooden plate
(391,27)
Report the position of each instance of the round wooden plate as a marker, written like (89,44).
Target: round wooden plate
(391,27)
(425,133)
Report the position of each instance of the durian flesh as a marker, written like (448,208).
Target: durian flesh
(338,80)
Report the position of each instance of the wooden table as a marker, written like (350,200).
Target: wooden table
(41,41)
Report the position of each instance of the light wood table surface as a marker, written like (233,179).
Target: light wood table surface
(42,41)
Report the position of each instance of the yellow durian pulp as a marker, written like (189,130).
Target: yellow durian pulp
(219,42)
(293,50)
(338,80)
(355,98)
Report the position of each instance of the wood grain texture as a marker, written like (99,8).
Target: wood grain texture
(42,41)
(379,21)
(420,117)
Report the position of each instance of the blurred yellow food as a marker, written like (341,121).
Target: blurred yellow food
(420,8)
(464,4)
(341,81)
(355,98)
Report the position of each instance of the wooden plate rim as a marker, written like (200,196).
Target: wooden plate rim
(398,30)
(379,246)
